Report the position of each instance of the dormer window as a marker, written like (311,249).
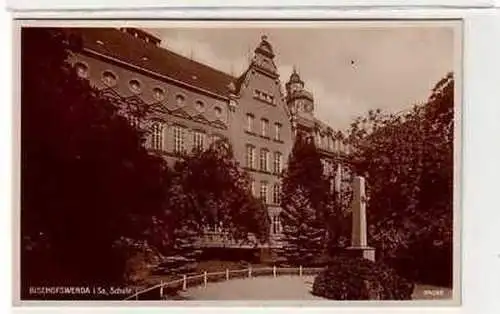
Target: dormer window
(109,78)
(179,100)
(200,106)
(218,111)
(135,86)
(158,94)
(82,70)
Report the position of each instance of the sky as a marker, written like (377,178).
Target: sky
(349,69)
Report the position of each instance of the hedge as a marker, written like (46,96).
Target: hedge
(355,278)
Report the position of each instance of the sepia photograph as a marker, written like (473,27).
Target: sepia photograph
(252,160)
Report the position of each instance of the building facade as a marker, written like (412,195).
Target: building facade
(186,104)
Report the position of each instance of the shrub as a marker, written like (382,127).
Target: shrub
(348,278)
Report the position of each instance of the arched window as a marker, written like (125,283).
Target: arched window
(157,136)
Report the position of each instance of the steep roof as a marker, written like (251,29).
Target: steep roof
(125,47)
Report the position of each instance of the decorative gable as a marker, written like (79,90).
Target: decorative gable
(181,113)
(200,118)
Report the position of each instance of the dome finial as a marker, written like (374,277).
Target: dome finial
(263,37)
(295,77)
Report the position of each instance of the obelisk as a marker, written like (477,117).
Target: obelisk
(359,243)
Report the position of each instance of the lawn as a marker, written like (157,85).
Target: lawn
(234,290)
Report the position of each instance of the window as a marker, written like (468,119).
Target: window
(328,167)
(322,140)
(276,225)
(264,159)
(135,86)
(157,136)
(218,111)
(330,143)
(250,156)
(263,191)
(199,105)
(277,162)
(277,193)
(133,120)
(109,78)
(263,96)
(178,139)
(82,70)
(277,131)
(252,186)
(338,178)
(214,138)
(179,100)
(250,121)
(158,94)
(198,140)
(264,125)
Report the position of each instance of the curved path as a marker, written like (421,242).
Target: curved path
(258,288)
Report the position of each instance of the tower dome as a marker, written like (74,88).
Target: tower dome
(295,77)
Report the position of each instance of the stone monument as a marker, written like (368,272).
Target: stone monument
(359,243)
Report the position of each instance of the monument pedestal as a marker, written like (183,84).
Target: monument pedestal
(361,251)
(359,243)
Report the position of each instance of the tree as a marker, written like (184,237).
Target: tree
(303,233)
(339,209)
(86,179)
(304,198)
(408,162)
(208,188)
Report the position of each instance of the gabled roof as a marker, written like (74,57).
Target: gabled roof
(125,47)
